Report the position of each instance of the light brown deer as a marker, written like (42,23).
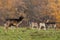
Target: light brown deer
(34,24)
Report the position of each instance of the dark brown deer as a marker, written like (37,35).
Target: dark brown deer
(51,24)
(13,22)
(34,24)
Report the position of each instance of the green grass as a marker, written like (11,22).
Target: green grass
(28,34)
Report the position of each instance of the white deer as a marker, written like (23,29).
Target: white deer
(42,25)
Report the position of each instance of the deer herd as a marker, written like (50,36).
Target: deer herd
(41,25)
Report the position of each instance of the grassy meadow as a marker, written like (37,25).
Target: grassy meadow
(28,34)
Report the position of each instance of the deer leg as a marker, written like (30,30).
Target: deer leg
(37,27)
(17,25)
(44,27)
(6,25)
(54,26)
(32,26)
(40,27)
